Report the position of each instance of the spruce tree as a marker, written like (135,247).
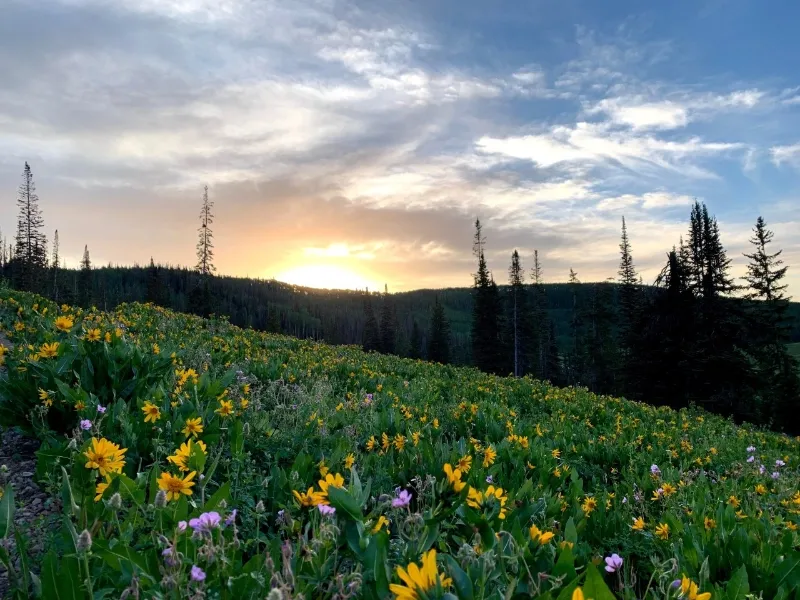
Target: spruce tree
(439,336)
(85,296)
(630,304)
(516,306)
(372,336)
(770,328)
(55,265)
(415,350)
(205,238)
(387,326)
(31,244)
(486,343)
(537,326)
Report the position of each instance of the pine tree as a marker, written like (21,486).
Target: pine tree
(372,336)
(770,328)
(55,265)
(85,296)
(415,350)
(516,298)
(31,245)
(630,304)
(387,326)
(439,337)
(573,276)
(205,243)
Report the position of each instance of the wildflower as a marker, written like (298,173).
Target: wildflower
(336,481)
(655,470)
(709,524)
(761,489)
(325,510)
(116,501)
(556,453)
(751,459)
(86,424)
(780,463)
(464,463)
(182,455)
(775,475)
(613,563)
(105,456)
(161,499)
(454,478)
(402,499)
(477,499)
(537,535)
(638,524)
(690,592)
(589,504)
(323,468)
(101,409)
(371,444)
(349,460)
(101,489)
(225,408)
(418,580)
(151,412)
(206,521)
(399,442)
(175,486)
(49,350)
(489,479)
(577,594)
(733,501)
(380,524)
(193,427)
(489,456)
(751,449)
(64,324)
(309,498)
(662,531)
(197,573)
(93,335)
(385,443)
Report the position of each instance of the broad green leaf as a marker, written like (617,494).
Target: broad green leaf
(595,587)
(118,554)
(787,572)
(565,565)
(738,586)
(7,512)
(343,502)
(461,580)
(570,533)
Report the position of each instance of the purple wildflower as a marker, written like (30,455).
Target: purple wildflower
(403,499)
(182,526)
(751,459)
(231,518)
(197,573)
(751,448)
(206,521)
(780,463)
(326,510)
(101,409)
(676,584)
(86,424)
(655,470)
(489,479)
(762,469)
(775,474)
(169,556)
(613,563)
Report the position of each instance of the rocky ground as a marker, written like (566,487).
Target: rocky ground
(36,513)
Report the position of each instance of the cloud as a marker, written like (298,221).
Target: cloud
(597,143)
(647,201)
(786,154)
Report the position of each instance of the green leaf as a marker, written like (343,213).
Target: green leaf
(223,493)
(342,501)
(787,572)
(237,438)
(595,587)
(24,564)
(565,565)
(117,555)
(461,580)
(55,582)
(570,533)
(7,512)
(738,586)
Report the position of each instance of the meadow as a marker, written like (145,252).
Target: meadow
(194,459)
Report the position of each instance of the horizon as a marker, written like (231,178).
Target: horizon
(348,145)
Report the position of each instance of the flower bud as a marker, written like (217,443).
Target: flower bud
(116,501)
(161,499)
(260,507)
(84,541)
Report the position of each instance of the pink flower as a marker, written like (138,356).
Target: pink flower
(403,499)
(198,574)
(86,424)
(326,510)
(613,563)
(206,522)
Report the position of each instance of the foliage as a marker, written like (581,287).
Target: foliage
(325,472)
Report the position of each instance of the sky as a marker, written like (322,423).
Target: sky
(353,144)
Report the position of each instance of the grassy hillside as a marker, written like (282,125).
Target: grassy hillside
(197,459)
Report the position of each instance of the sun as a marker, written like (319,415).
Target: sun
(326,277)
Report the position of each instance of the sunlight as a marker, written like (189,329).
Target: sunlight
(327,277)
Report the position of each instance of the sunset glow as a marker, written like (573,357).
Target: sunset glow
(326,276)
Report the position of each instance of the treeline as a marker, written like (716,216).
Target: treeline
(695,337)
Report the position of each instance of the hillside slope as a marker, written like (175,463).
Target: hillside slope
(344,468)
